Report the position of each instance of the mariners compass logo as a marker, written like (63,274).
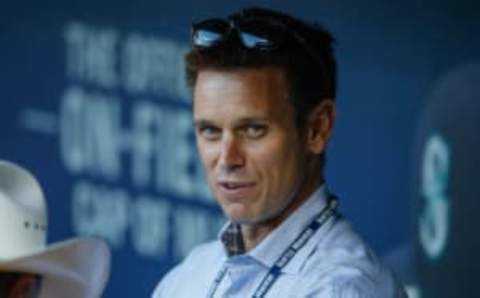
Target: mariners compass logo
(435,216)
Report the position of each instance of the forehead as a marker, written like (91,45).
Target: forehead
(249,91)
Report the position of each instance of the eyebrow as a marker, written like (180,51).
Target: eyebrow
(201,122)
(252,120)
(240,122)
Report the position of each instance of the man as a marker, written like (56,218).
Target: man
(263,103)
(77,268)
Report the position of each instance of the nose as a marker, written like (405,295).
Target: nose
(231,154)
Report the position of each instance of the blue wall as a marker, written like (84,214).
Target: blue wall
(93,102)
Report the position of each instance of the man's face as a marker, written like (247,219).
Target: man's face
(248,141)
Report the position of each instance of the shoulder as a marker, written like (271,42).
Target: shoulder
(196,263)
(341,264)
(341,244)
(362,286)
(346,281)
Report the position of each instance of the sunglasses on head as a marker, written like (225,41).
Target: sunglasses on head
(252,32)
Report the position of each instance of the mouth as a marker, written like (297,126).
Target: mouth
(235,185)
(235,189)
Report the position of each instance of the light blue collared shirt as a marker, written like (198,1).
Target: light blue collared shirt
(334,263)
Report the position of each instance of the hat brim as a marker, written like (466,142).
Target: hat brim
(76,268)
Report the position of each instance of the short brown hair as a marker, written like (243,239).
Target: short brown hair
(311,77)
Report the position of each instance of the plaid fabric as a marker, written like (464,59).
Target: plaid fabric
(232,240)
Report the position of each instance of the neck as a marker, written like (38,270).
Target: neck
(253,234)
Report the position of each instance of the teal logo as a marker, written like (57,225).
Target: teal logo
(434,218)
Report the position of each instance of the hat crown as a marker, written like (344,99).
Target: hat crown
(23,213)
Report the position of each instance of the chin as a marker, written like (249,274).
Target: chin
(248,219)
(241,218)
(238,213)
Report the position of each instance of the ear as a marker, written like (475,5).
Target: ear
(320,126)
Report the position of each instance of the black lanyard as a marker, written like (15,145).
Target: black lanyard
(275,271)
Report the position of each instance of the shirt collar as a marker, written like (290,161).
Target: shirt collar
(231,237)
(269,249)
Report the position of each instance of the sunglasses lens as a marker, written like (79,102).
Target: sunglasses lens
(252,41)
(210,32)
(259,34)
(205,38)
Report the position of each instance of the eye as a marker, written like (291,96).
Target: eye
(208,132)
(255,131)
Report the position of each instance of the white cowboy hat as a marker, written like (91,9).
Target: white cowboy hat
(76,268)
